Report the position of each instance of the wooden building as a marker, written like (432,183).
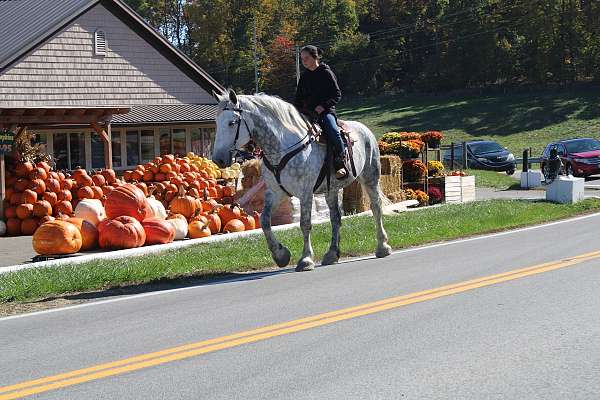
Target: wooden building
(99,86)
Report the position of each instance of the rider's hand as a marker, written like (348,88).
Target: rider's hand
(319,109)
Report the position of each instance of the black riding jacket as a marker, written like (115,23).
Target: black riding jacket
(318,87)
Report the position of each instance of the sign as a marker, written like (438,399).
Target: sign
(7,140)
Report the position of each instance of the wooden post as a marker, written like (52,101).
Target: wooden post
(107,145)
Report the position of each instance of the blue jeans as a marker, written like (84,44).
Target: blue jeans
(329,125)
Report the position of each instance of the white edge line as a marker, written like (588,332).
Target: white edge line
(427,247)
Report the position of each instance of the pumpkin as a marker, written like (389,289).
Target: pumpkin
(85,192)
(198,229)
(183,204)
(23,169)
(10,212)
(29,197)
(84,180)
(2,228)
(38,186)
(127,176)
(158,231)
(44,165)
(248,222)
(228,191)
(109,175)
(107,189)
(148,176)
(38,173)
(24,211)
(64,195)
(46,219)
(137,175)
(15,199)
(98,193)
(143,187)
(123,232)
(53,185)
(63,207)
(67,184)
(78,172)
(229,212)
(214,222)
(234,225)
(180,224)
(156,208)
(256,217)
(29,226)
(57,237)
(90,210)
(98,180)
(13,226)
(168,158)
(42,208)
(50,197)
(89,233)
(127,200)
(22,184)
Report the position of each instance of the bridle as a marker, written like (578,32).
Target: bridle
(237,122)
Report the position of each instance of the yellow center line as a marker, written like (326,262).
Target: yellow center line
(194,349)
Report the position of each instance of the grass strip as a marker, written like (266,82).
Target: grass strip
(248,254)
(492,179)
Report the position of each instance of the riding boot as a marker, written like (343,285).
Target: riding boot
(341,171)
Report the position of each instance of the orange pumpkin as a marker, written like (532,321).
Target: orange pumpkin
(29,226)
(248,222)
(256,217)
(229,212)
(84,180)
(127,200)
(148,176)
(78,172)
(13,226)
(38,186)
(53,185)
(42,208)
(67,184)
(89,233)
(143,187)
(64,195)
(121,233)
(29,197)
(198,229)
(137,175)
(214,222)
(184,205)
(168,158)
(44,165)
(234,225)
(15,199)
(107,189)
(38,173)
(24,211)
(10,212)
(57,237)
(63,207)
(109,175)
(22,184)
(98,193)
(99,180)
(23,169)
(228,191)
(158,231)
(128,176)
(50,197)
(46,219)
(85,192)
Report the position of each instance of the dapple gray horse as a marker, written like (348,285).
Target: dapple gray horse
(279,129)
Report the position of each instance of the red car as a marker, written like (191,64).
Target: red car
(580,157)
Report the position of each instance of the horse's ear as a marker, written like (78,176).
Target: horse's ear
(233,97)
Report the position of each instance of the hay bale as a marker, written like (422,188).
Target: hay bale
(391,165)
(355,199)
(251,167)
(390,183)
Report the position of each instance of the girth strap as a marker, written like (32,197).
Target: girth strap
(277,169)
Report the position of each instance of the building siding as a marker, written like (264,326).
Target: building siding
(64,71)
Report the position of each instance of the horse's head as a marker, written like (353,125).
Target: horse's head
(233,129)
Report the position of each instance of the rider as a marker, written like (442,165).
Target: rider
(316,96)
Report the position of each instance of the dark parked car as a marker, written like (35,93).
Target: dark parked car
(484,154)
(580,157)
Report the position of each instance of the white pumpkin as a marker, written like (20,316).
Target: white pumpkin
(181,228)
(90,210)
(2,228)
(156,208)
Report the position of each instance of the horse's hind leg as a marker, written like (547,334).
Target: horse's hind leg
(281,255)
(306,263)
(335,215)
(370,181)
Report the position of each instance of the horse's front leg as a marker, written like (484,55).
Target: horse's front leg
(306,262)
(281,255)
(335,215)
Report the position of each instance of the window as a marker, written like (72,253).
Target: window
(178,138)
(209,138)
(61,149)
(133,148)
(147,144)
(77,150)
(69,150)
(196,136)
(97,151)
(116,148)
(165,141)
(100,43)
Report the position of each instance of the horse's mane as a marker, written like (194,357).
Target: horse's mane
(280,110)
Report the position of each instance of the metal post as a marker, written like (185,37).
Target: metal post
(464,156)
(452,156)
(297,64)
(2,188)
(525,161)
(530,155)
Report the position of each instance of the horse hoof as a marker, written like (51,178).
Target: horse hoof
(383,251)
(330,258)
(282,257)
(306,264)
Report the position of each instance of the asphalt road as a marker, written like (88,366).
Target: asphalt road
(530,337)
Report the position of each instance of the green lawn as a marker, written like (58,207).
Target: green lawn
(517,121)
(496,180)
(247,254)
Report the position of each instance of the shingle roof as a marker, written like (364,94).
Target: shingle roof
(26,23)
(167,114)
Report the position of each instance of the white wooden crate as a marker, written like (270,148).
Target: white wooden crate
(459,189)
